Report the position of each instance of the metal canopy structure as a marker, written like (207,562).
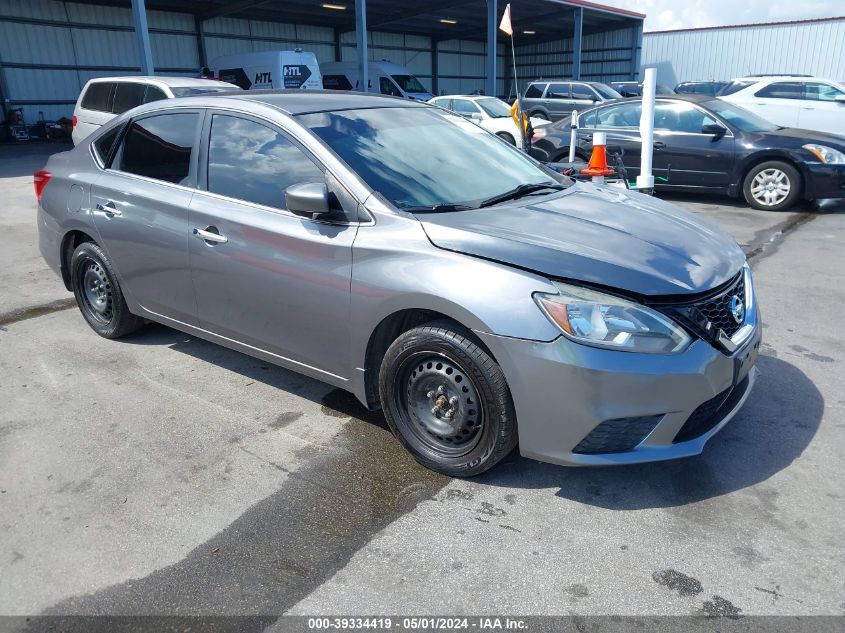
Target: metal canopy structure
(535,21)
(50,48)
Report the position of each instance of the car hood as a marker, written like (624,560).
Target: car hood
(598,235)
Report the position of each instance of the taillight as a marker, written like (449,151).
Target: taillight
(73,121)
(42,177)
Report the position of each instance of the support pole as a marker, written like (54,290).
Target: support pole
(202,54)
(576,43)
(492,34)
(338,45)
(645,181)
(361,40)
(636,50)
(435,69)
(142,34)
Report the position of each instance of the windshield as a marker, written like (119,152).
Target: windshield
(192,91)
(424,157)
(409,83)
(740,117)
(496,108)
(606,91)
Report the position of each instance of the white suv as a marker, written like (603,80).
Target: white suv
(104,98)
(791,100)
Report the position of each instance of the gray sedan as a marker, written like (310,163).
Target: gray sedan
(402,253)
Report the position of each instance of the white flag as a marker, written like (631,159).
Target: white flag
(505,24)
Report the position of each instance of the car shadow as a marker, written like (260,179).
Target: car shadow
(335,402)
(773,428)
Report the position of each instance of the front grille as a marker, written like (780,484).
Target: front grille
(710,413)
(617,436)
(708,316)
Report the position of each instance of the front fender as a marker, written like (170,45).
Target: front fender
(395,268)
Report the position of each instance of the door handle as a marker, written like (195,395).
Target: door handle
(109,210)
(210,235)
(659,145)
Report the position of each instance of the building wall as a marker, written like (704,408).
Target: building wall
(605,57)
(49,49)
(814,48)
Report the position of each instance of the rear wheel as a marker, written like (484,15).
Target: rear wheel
(447,400)
(507,137)
(98,293)
(540,115)
(772,186)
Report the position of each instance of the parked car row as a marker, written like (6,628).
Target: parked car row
(708,145)
(490,113)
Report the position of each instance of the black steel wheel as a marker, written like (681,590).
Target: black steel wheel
(98,293)
(447,400)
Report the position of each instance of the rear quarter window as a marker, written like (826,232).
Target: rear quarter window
(535,91)
(98,96)
(104,145)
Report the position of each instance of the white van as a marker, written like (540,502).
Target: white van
(295,69)
(104,98)
(384,77)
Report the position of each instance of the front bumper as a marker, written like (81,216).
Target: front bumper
(563,391)
(824,181)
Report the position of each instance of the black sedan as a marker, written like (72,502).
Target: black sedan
(707,145)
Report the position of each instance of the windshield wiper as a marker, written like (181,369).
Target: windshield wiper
(439,208)
(520,191)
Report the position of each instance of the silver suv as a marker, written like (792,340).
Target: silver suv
(396,250)
(555,99)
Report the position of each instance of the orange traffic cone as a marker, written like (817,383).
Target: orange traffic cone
(597,168)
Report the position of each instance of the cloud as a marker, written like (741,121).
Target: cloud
(672,14)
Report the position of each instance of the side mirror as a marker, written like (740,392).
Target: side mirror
(309,199)
(476,116)
(839,98)
(715,129)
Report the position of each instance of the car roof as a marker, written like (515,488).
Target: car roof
(466,97)
(179,82)
(307,101)
(799,78)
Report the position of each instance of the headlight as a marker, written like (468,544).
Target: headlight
(602,320)
(826,154)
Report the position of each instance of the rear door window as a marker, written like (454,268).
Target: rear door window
(535,91)
(558,91)
(161,147)
(464,107)
(582,92)
(781,90)
(98,96)
(253,162)
(127,95)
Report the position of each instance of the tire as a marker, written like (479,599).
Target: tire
(539,114)
(506,137)
(98,293)
(772,186)
(441,366)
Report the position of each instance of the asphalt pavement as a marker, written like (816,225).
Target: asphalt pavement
(161,474)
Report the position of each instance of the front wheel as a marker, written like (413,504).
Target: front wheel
(98,293)
(772,186)
(447,400)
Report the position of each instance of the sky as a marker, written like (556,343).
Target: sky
(664,15)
